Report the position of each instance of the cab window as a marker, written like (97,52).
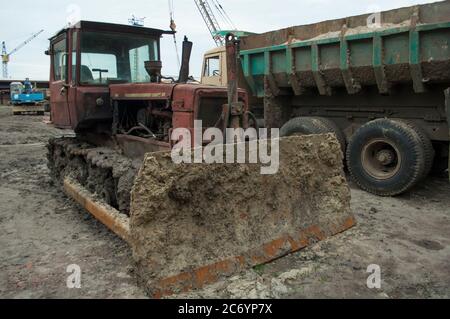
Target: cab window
(96,68)
(74,56)
(212,66)
(60,61)
(115,58)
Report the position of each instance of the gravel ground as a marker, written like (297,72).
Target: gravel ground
(42,232)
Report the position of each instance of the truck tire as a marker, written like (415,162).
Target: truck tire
(312,125)
(427,146)
(386,157)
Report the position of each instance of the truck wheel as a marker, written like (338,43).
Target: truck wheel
(312,125)
(386,157)
(427,146)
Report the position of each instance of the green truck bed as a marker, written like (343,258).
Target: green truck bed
(409,47)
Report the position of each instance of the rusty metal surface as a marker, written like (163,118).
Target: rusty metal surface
(232,57)
(182,104)
(208,274)
(75,105)
(142,91)
(233,111)
(185,58)
(107,215)
(136,147)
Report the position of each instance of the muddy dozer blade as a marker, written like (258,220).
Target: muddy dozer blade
(191,224)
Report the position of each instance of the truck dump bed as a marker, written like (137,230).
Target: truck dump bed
(410,46)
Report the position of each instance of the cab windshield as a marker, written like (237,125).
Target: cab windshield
(113,58)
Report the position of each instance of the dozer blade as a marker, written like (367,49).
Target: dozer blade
(191,224)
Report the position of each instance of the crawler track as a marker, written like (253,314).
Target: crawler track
(103,171)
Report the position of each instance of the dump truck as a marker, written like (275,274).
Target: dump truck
(188,224)
(378,81)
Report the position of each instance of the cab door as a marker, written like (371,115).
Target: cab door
(72,89)
(59,85)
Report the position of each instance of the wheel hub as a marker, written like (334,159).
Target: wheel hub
(385,157)
(381,159)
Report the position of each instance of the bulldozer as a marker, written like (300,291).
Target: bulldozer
(188,224)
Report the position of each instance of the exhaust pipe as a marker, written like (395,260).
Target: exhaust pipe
(235,109)
(186,56)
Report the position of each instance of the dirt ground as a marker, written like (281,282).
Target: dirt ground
(42,232)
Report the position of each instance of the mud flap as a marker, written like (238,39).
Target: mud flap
(192,224)
(447,109)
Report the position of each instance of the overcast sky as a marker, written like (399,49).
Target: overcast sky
(18,20)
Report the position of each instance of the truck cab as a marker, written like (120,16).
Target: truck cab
(214,70)
(106,80)
(88,57)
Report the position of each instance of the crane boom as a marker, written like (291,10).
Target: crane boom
(210,20)
(5,55)
(24,43)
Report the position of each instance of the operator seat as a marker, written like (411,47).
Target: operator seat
(86,74)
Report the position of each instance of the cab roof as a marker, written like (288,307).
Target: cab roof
(112,27)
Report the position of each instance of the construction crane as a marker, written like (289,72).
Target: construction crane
(6,55)
(210,21)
